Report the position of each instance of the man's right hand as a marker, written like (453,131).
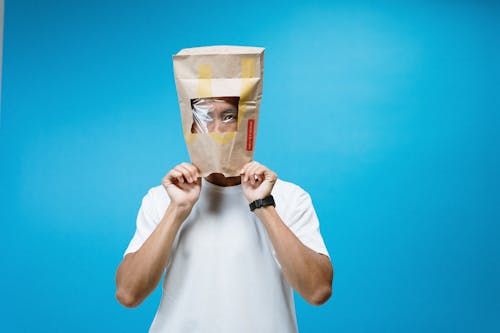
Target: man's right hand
(140,272)
(183,185)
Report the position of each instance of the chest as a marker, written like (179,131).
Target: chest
(223,233)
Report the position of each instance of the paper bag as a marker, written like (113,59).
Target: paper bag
(219,90)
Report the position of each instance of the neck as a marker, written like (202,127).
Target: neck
(220,180)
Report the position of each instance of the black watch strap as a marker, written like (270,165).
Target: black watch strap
(267,201)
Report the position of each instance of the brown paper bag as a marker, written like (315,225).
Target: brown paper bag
(219,90)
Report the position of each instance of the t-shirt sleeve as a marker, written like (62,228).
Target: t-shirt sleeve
(304,223)
(147,220)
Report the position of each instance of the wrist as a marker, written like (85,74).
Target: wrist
(267,201)
(180,211)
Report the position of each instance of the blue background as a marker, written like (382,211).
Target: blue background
(386,113)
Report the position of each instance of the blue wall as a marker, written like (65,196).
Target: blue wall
(386,113)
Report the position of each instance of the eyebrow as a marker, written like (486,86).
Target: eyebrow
(229,111)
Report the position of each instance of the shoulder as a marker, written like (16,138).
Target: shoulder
(157,192)
(294,205)
(156,200)
(288,189)
(287,194)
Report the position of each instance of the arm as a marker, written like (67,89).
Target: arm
(308,272)
(140,272)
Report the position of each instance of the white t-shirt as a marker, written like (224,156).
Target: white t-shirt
(223,274)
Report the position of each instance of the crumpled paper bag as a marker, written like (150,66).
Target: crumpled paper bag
(219,90)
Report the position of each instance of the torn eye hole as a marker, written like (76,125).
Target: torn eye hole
(215,114)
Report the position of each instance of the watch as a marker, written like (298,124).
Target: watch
(267,201)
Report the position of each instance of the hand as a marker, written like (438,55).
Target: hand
(183,185)
(257,181)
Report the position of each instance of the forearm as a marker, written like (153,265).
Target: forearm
(141,271)
(308,272)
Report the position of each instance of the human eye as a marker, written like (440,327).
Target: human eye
(229,116)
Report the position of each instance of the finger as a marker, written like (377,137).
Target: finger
(243,177)
(265,173)
(260,173)
(249,174)
(244,170)
(268,175)
(252,175)
(186,173)
(193,171)
(173,177)
(271,176)
(166,180)
(253,172)
(179,177)
(243,173)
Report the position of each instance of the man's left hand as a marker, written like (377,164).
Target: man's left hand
(257,181)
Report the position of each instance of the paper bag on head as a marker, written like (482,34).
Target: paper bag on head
(219,90)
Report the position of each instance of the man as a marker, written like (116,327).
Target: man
(228,267)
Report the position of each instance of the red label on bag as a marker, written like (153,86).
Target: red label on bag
(250,134)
